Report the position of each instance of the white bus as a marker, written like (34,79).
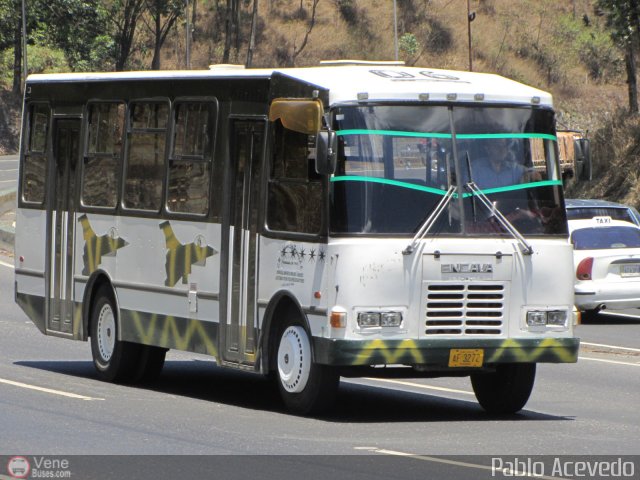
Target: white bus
(305,223)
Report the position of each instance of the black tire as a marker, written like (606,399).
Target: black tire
(306,387)
(151,363)
(115,360)
(589,316)
(507,389)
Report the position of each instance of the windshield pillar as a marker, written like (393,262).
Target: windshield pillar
(458,177)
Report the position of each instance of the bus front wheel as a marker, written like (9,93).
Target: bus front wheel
(507,389)
(306,387)
(115,360)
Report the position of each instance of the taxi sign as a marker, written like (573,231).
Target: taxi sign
(602,220)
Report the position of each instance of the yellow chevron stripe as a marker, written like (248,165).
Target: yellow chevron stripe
(390,355)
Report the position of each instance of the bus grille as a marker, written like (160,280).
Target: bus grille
(465,309)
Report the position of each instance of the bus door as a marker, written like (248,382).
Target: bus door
(60,209)
(239,338)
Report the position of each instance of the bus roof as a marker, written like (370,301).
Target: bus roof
(347,83)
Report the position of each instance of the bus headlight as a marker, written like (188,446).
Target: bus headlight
(536,319)
(379,319)
(550,318)
(557,318)
(369,319)
(390,319)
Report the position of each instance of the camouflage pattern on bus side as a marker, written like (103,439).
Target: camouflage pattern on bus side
(97,246)
(181,257)
(170,332)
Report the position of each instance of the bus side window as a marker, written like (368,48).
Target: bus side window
(295,190)
(103,154)
(35,158)
(144,172)
(190,160)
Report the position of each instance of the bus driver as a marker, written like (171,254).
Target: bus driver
(499,166)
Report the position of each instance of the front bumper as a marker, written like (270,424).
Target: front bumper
(434,353)
(614,295)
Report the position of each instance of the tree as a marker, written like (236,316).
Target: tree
(124,16)
(231,26)
(11,37)
(312,21)
(17,55)
(252,36)
(623,18)
(164,14)
(77,27)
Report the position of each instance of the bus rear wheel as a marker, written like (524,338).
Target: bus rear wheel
(306,387)
(115,360)
(506,390)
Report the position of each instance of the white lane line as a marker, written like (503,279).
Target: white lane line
(8,265)
(610,346)
(9,170)
(47,390)
(613,314)
(615,362)
(419,385)
(446,461)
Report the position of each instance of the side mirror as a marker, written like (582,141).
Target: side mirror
(583,159)
(326,152)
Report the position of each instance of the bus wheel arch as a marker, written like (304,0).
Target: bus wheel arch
(96,281)
(281,307)
(306,387)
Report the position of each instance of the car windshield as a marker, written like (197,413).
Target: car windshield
(600,238)
(396,163)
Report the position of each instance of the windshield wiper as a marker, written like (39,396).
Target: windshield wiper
(506,224)
(431,219)
(473,200)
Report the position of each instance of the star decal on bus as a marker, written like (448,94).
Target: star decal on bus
(98,246)
(295,252)
(181,257)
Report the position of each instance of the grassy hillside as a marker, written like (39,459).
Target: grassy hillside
(561,47)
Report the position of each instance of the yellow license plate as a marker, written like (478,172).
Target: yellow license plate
(466,357)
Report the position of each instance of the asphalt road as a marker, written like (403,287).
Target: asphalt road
(51,403)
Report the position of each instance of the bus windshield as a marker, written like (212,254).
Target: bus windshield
(396,162)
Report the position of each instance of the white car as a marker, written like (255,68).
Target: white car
(606,257)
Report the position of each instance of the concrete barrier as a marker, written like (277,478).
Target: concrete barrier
(7,219)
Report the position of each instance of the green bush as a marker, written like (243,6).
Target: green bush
(408,44)
(44,59)
(589,45)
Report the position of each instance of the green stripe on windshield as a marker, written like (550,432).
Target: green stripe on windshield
(397,133)
(438,191)
(521,186)
(386,181)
